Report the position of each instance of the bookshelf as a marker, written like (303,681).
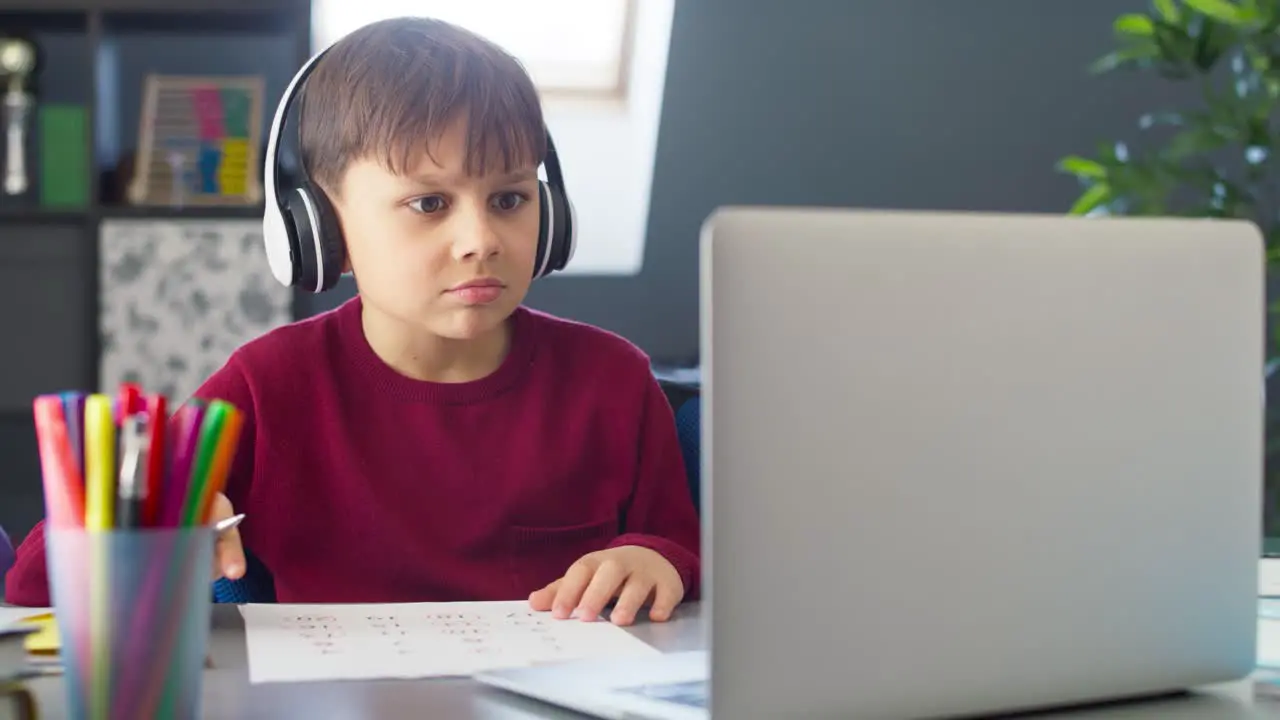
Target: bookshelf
(93,60)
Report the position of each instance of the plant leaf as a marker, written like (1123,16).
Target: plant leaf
(1134,24)
(1198,139)
(1168,10)
(1221,10)
(1082,167)
(1135,53)
(1093,197)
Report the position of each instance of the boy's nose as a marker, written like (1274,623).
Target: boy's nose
(475,239)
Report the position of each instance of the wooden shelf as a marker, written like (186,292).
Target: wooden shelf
(165,6)
(96,55)
(38,215)
(183,213)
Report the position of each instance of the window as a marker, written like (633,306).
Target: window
(569,47)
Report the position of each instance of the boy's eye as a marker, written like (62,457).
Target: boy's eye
(508,201)
(427,205)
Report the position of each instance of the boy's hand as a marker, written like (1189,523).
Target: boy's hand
(634,575)
(228,553)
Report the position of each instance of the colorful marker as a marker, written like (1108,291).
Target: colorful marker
(63,487)
(100,460)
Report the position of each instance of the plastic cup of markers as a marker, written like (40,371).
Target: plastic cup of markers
(133,612)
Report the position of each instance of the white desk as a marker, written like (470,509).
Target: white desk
(228,693)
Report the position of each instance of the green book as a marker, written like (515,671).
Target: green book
(64,156)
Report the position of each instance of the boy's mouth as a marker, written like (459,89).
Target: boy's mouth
(480,291)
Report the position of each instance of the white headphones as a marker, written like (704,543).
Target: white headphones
(304,240)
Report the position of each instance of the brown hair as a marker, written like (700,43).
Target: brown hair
(389,88)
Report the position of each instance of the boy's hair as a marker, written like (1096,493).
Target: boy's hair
(388,89)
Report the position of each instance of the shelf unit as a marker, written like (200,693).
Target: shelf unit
(95,55)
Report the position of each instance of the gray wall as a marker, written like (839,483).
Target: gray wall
(883,103)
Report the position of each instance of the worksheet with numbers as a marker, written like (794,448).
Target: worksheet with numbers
(297,643)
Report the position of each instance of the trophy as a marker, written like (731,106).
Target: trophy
(17,62)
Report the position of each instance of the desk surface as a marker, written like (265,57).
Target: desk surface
(228,693)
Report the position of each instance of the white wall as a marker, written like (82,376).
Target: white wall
(607,149)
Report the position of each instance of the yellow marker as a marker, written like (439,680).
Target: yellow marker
(99,463)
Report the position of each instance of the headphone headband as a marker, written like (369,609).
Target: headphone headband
(273,226)
(300,230)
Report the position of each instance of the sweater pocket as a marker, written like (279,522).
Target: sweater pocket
(541,555)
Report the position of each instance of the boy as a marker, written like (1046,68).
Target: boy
(432,439)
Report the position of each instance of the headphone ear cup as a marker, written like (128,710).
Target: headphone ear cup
(332,244)
(319,237)
(562,231)
(301,218)
(290,237)
(546,221)
(566,237)
(556,232)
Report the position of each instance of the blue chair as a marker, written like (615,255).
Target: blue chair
(256,586)
(7,555)
(689,429)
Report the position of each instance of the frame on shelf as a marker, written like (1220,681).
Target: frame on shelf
(198,142)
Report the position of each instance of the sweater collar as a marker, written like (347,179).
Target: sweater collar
(369,367)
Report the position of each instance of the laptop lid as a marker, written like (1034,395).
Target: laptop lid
(966,463)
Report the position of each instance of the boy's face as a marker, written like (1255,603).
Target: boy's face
(435,249)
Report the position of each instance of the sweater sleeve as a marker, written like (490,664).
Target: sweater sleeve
(661,515)
(27,582)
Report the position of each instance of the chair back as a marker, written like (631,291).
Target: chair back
(256,586)
(685,398)
(7,555)
(689,429)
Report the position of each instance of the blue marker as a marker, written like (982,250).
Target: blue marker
(73,410)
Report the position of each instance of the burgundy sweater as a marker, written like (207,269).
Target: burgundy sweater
(362,485)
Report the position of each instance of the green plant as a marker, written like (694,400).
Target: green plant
(1214,160)
(1218,159)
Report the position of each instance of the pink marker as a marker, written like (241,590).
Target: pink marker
(186,440)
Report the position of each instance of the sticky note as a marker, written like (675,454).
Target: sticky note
(45,640)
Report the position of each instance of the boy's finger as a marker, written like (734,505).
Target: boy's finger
(229,555)
(569,594)
(634,595)
(602,588)
(665,598)
(540,600)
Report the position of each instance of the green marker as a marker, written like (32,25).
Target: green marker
(210,432)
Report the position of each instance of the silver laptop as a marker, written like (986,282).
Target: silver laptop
(965,463)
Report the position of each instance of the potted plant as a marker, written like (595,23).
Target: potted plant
(1216,159)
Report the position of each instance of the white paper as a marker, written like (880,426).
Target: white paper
(295,643)
(10,615)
